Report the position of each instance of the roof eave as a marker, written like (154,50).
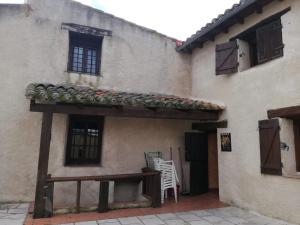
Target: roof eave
(214,29)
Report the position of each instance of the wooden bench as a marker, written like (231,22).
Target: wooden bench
(150,179)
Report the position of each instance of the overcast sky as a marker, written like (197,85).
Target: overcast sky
(175,18)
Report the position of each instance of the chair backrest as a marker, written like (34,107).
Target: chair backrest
(168,172)
(149,156)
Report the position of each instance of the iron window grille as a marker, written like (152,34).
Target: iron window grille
(84,143)
(84,53)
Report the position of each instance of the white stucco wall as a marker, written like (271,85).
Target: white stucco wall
(248,95)
(34,48)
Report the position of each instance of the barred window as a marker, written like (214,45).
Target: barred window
(84,140)
(84,53)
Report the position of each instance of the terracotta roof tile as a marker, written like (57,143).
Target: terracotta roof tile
(65,93)
(219,21)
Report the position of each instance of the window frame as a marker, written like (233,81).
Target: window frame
(85,41)
(99,120)
(245,36)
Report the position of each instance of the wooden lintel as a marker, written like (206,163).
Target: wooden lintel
(135,112)
(42,174)
(213,125)
(86,29)
(287,112)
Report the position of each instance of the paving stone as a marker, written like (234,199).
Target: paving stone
(188,216)
(236,220)
(130,220)
(11,222)
(147,217)
(201,213)
(175,222)
(87,223)
(18,211)
(23,205)
(108,221)
(3,211)
(14,216)
(224,223)
(258,220)
(152,221)
(67,224)
(213,219)
(167,216)
(11,206)
(199,222)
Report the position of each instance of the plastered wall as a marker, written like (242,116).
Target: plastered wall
(248,95)
(34,48)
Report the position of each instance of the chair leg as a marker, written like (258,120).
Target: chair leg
(175,193)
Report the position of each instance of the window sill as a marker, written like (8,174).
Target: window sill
(86,74)
(90,165)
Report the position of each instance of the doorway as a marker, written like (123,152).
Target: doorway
(202,155)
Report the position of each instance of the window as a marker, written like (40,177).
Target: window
(259,44)
(84,53)
(264,42)
(84,140)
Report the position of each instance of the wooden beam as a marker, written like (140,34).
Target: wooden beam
(287,112)
(41,184)
(156,190)
(125,112)
(78,196)
(85,29)
(210,125)
(240,20)
(103,197)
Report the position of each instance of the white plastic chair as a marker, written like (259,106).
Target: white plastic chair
(169,176)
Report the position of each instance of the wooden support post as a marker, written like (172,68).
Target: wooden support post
(103,197)
(41,184)
(78,196)
(156,190)
(49,198)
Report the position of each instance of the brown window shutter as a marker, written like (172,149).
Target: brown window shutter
(269,41)
(297,143)
(270,154)
(226,58)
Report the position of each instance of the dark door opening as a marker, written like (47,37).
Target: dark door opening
(201,152)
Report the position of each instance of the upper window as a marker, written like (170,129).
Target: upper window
(259,44)
(264,43)
(84,53)
(84,140)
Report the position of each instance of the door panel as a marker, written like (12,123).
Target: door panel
(197,153)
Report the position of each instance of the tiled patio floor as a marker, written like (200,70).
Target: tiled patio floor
(13,214)
(200,210)
(186,203)
(221,216)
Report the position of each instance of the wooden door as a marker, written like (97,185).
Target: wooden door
(197,154)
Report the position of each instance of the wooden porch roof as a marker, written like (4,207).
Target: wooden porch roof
(65,98)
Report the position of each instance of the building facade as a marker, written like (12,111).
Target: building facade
(39,44)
